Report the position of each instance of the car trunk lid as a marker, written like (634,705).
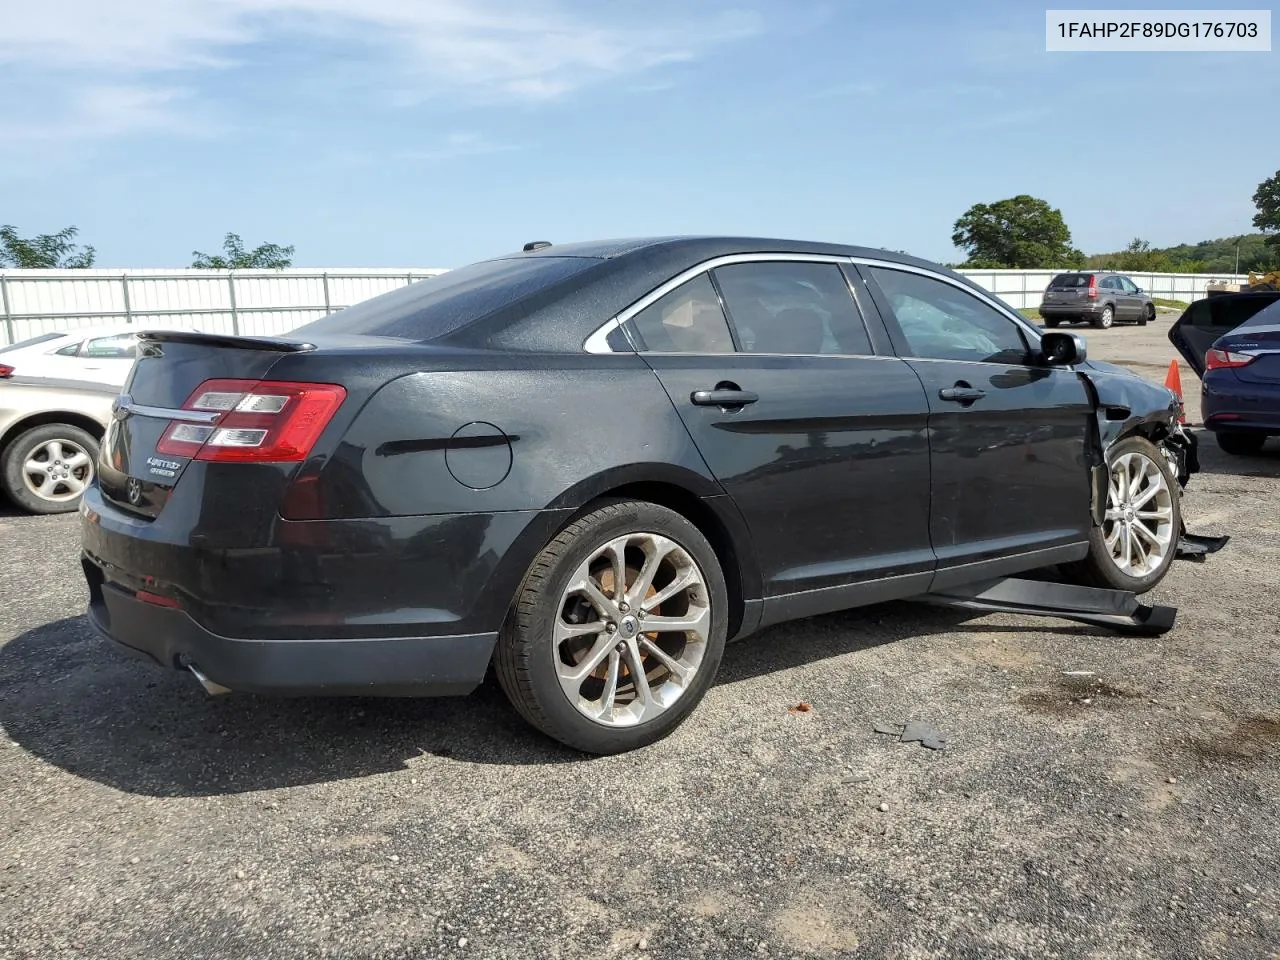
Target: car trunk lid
(1263,343)
(140,463)
(1206,320)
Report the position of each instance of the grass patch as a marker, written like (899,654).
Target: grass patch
(1171,304)
(1031,313)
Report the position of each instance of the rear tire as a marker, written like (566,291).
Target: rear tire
(1148,314)
(1240,444)
(1104,320)
(1052,324)
(47,469)
(1142,493)
(542,650)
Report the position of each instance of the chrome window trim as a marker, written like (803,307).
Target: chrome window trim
(595,343)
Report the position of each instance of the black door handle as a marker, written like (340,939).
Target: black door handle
(961,393)
(723,398)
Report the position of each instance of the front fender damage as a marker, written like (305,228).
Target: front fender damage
(1125,405)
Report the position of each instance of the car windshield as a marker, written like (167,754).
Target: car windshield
(33,341)
(433,308)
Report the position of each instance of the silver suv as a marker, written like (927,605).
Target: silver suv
(1100,297)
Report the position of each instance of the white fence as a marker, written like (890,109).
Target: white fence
(261,302)
(268,302)
(1023,288)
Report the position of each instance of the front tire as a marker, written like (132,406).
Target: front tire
(47,469)
(574,644)
(1240,444)
(1104,320)
(1137,541)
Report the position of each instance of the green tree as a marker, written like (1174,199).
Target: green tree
(1267,199)
(44,251)
(266,256)
(1021,232)
(1138,257)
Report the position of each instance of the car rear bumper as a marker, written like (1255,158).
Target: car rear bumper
(1069,311)
(379,606)
(1230,404)
(386,666)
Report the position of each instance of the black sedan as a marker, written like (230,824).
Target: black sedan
(591,465)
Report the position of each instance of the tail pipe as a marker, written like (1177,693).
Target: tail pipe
(211,688)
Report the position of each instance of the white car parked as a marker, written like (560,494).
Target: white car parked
(90,354)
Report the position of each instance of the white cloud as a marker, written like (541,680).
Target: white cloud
(110,110)
(517,50)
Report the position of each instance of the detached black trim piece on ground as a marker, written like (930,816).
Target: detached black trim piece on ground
(1118,610)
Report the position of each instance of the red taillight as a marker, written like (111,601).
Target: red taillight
(6,371)
(1217,359)
(257,421)
(1093,287)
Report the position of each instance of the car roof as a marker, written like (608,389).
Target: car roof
(560,320)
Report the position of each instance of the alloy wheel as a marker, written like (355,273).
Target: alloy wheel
(57,470)
(631,629)
(1138,525)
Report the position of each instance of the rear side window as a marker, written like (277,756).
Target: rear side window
(792,308)
(434,308)
(123,347)
(1069,281)
(33,341)
(686,320)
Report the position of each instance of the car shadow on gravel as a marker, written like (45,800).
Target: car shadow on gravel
(77,703)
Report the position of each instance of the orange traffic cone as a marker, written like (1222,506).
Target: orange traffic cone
(1173,381)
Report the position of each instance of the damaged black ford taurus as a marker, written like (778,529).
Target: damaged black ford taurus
(591,465)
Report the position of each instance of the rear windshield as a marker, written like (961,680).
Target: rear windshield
(1069,281)
(1226,313)
(21,344)
(1269,316)
(430,309)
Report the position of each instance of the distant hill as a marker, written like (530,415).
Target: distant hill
(1207,256)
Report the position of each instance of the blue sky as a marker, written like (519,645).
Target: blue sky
(437,132)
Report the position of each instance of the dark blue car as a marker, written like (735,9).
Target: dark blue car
(1233,343)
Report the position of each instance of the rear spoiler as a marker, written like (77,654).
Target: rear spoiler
(276,344)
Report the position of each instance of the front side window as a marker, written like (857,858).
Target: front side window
(940,321)
(688,319)
(791,307)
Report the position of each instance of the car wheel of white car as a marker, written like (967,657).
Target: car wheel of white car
(1137,540)
(47,468)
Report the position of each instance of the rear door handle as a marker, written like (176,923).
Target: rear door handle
(961,393)
(723,398)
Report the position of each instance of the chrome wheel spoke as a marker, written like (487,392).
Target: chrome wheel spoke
(1162,514)
(610,685)
(656,550)
(635,667)
(77,460)
(1143,532)
(574,675)
(604,606)
(683,581)
(695,621)
(75,486)
(677,669)
(1147,495)
(36,468)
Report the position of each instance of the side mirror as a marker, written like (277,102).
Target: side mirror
(1063,349)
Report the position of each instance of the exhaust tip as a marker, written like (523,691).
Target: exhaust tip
(211,688)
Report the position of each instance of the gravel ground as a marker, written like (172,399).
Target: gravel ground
(1101,796)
